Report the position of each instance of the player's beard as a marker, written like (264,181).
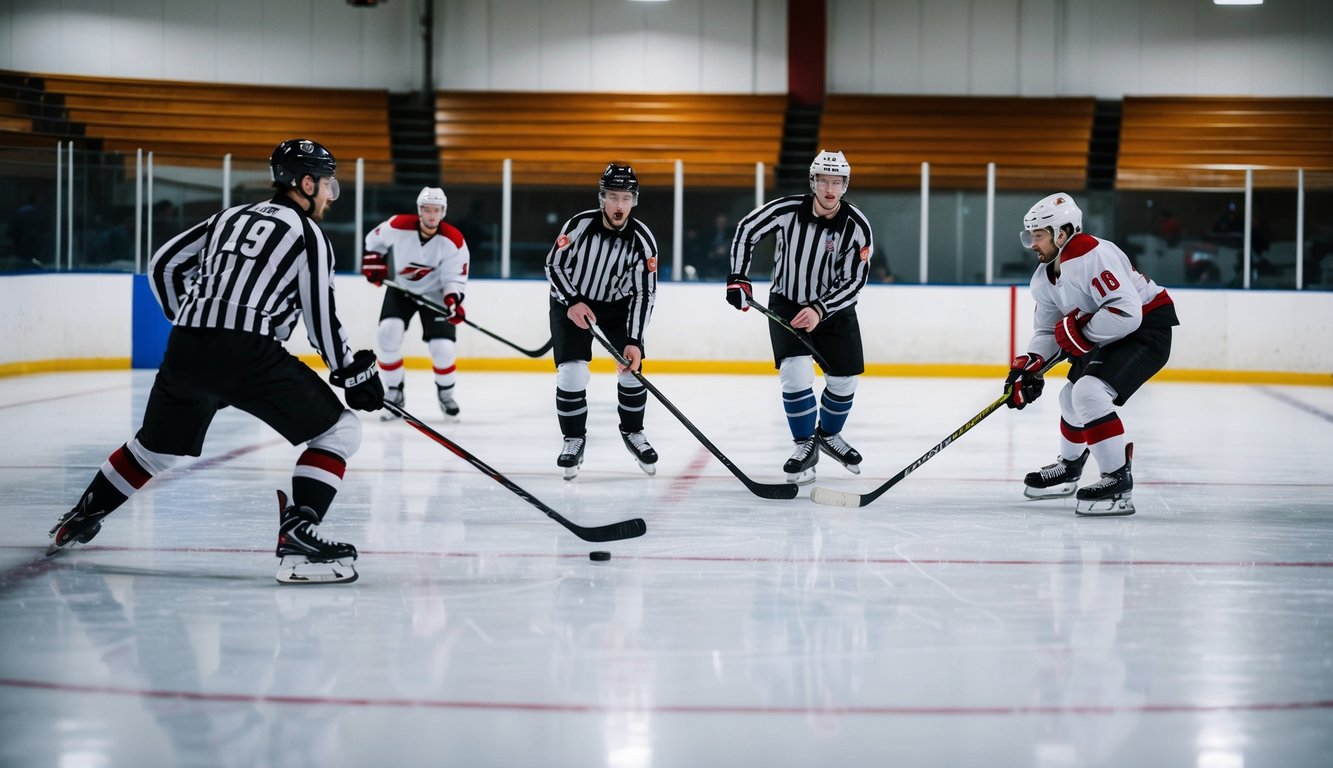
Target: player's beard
(317,210)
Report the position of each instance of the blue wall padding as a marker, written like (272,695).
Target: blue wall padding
(151,327)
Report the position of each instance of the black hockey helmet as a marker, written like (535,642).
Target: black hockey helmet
(295,158)
(618,177)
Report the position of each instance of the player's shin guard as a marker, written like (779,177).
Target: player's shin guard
(316,480)
(571,408)
(801,409)
(124,472)
(304,556)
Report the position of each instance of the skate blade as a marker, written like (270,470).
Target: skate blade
(452,418)
(1112,507)
(297,569)
(649,469)
(571,473)
(804,477)
(389,416)
(1054,492)
(855,469)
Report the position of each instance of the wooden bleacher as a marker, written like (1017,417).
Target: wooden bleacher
(1207,142)
(1036,143)
(198,123)
(559,138)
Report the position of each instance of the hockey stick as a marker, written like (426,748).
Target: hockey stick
(834,498)
(425,302)
(762,490)
(801,336)
(626,529)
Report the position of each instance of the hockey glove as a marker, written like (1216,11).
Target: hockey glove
(1069,334)
(454,303)
(360,382)
(1026,380)
(739,291)
(374,267)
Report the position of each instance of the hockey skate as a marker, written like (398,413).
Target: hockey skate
(841,452)
(800,468)
(305,558)
(77,526)
(1110,495)
(642,450)
(448,406)
(571,456)
(395,396)
(1055,481)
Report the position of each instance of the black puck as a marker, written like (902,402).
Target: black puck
(599,556)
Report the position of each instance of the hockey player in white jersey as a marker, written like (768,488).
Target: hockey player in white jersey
(430,259)
(1115,324)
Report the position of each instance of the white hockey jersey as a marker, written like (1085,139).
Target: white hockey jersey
(434,268)
(1097,279)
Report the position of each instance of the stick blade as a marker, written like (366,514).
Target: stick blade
(831,498)
(627,529)
(774,490)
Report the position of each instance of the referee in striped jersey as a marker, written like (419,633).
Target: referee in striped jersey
(603,271)
(821,263)
(234,286)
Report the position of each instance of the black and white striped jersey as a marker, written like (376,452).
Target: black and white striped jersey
(591,261)
(818,262)
(253,268)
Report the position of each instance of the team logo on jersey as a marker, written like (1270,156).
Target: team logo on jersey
(865,253)
(829,244)
(415,271)
(652,263)
(562,242)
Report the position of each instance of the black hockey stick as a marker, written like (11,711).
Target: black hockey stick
(834,498)
(801,336)
(762,490)
(425,302)
(626,529)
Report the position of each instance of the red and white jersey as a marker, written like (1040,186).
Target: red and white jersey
(1097,279)
(434,268)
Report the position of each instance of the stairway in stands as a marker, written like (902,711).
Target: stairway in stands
(800,143)
(416,159)
(1104,148)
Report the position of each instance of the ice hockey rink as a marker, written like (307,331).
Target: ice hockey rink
(949,623)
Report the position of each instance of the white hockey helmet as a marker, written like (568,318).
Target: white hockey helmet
(830,164)
(1053,213)
(433,196)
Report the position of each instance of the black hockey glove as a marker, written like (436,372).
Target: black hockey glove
(1025,379)
(739,291)
(360,382)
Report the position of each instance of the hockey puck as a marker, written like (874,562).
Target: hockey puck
(599,556)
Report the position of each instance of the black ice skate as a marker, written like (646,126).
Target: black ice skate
(841,452)
(1055,481)
(642,450)
(393,395)
(77,526)
(1110,495)
(448,405)
(305,557)
(571,456)
(800,468)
